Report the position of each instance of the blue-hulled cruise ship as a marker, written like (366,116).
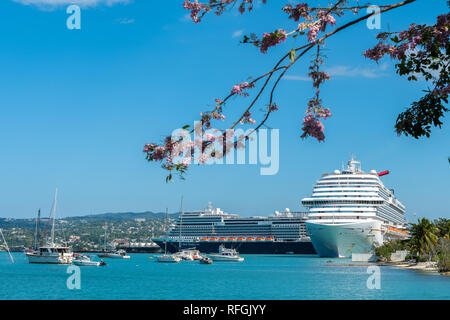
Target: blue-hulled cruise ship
(206,230)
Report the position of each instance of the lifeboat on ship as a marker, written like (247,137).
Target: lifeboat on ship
(398,230)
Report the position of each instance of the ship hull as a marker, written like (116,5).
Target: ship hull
(244,247)
(49,259)
(342,240)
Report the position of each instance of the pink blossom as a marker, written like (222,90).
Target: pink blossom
(325,19)
(313,32)
(148,147)
(313,127)
(300,10)
(210,137)
(273,107)
(195,8)
(377,52)
(239,87)
(203,158)
(272,39)
(186,161)
(324,113)
(159,153)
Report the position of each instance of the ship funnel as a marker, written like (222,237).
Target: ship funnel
(383,173)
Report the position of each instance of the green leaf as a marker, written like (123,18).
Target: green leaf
(292,55)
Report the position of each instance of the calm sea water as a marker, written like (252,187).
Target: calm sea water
(258,277)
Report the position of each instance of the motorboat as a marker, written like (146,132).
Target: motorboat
(189,254)
(168,258)
(226,255)
(85,261)
(205,260)
(115,254)
(51,254)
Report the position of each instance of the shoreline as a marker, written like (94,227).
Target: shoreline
(428,266)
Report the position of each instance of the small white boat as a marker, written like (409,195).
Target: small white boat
(226,255)
(112,253)
(85,261)
(205,260)
(191,253)
(171,258)
(185,255)
(118,254)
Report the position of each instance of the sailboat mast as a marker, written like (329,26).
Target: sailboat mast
(54,214)
(6,246)
(181,224)
(165,229)
(104,245)
(37,229)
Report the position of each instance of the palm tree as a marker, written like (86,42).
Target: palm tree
(424,236)
(443,225)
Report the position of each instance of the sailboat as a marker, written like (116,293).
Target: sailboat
(51,253)
(185,254)
(114,254)
(167,257)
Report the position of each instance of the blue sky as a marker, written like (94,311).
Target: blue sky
(77,107)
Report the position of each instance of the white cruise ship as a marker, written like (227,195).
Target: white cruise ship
(353,212)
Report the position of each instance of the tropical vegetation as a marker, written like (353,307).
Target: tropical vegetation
(429,241)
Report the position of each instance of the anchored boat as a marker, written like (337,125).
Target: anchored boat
(85,261)
(170,258)
(51,253)
(226,255)
(115,254)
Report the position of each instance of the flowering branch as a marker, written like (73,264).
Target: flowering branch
(315,21)
(421,50)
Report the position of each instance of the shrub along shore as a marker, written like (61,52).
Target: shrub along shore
(429,247)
